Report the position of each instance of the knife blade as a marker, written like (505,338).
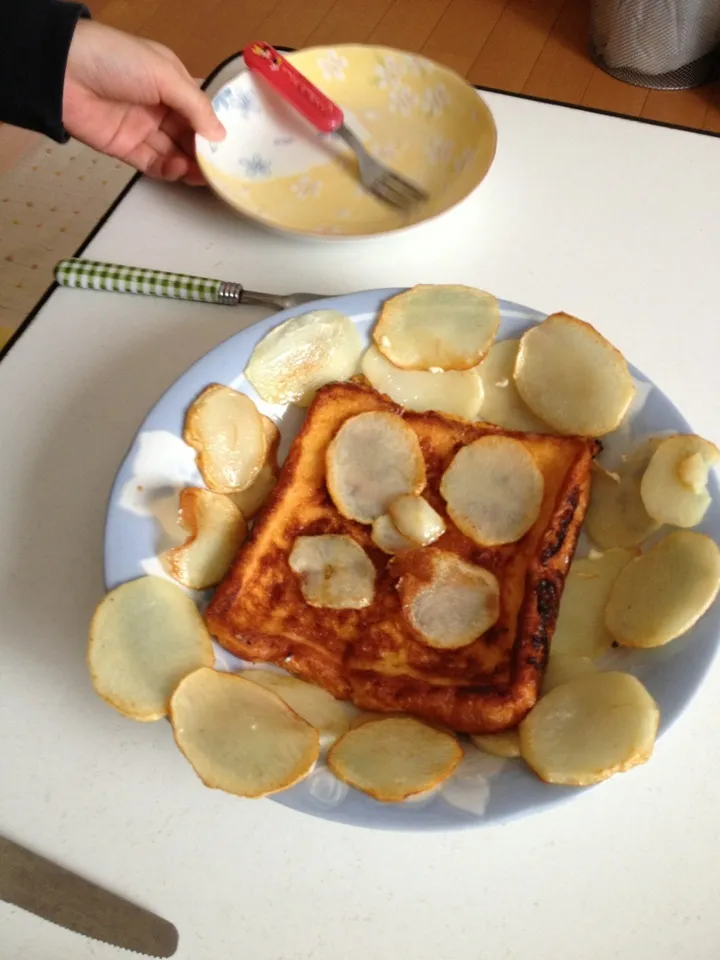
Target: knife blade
(33,883)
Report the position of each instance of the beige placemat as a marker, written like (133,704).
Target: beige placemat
(51,197)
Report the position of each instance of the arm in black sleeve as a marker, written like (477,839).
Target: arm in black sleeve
(35,37)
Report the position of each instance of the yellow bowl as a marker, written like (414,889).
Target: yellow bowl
(420,118)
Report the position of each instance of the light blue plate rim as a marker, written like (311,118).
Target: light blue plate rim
(672,673)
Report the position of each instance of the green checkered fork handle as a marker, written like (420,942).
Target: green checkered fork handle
(114,278)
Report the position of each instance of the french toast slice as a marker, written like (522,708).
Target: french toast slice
(373,656)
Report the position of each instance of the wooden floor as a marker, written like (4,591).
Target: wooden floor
(537,47)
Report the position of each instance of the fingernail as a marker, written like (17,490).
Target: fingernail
(217,133)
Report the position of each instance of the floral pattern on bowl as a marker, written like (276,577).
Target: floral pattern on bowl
(419,117)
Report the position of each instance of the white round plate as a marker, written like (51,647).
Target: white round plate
(142,513)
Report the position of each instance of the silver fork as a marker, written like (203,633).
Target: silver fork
(114,278)
(327,117)
(379,179)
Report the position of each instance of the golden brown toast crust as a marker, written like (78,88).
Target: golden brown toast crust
(372,656)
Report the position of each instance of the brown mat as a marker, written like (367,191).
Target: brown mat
(50,199)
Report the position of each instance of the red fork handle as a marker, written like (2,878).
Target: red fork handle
(292,86)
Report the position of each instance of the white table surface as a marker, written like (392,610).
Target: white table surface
(615,221)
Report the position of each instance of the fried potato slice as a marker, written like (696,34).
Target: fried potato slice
(226,430)
(502,404)
(443,327)
(386,536)
(416,519)
(448,601)
(252,499)
(374,458)
(493,490)
(334,571)
(272,437)
(299,356)
(394,759)
(571,377)
(616,515)
(562,668)
(580,630)
(674,486)
(663,593)
(145,636)
(457,392)
(315,705)
(693,472)
(240,737)
(505,744)
(217,529)
(590,728)
(368,716)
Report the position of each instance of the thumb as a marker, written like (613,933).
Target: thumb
(182,95)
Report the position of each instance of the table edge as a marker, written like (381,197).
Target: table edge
(234,56)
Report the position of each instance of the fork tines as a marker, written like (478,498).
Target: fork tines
(397,191)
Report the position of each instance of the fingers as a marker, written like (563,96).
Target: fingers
(163,145)
(176,127)
(162,50)
(179,92)
(170,166)
(160,158)
(194,176)
(182,136)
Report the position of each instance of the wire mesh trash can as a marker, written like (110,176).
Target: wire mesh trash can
(663,44)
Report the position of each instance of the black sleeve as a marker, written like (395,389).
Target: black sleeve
(35,37)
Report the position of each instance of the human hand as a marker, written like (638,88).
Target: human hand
(133,99)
